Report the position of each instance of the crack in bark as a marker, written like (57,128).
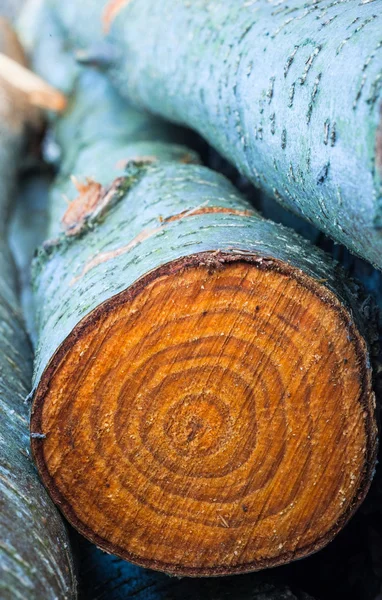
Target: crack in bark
(147,233)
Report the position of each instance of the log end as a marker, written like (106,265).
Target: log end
(217,417)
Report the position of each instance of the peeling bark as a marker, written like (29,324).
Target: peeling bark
(289,92)
(35,559)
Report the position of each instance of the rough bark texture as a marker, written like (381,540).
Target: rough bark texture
(290,92)
(162,298)
(35,560)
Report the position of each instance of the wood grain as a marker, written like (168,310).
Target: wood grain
(213,418)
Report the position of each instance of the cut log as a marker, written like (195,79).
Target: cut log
(203,398)
(35,560)
(290,92)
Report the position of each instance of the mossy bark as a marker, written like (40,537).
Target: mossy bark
(291,94)
(35,558)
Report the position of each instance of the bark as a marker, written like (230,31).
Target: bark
(289,92)
(192,356)
(35,560)
(27,231)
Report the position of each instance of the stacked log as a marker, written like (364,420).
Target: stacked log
(203,399)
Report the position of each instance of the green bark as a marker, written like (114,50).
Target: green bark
(289,92)
(35,559)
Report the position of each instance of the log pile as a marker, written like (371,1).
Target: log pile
(205,385)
